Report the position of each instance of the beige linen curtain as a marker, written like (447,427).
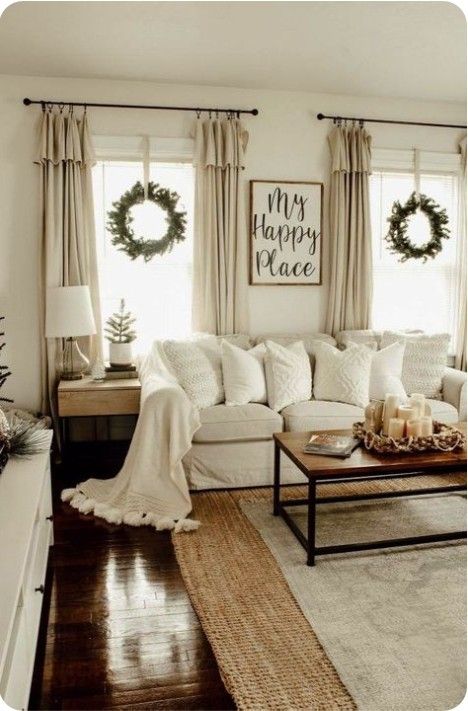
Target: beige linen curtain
(349,227)
(220,239)
(460,348)
(68,250)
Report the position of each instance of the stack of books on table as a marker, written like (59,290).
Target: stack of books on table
(121,372)
(331,445)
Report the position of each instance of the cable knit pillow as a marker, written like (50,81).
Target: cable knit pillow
(288,374)
(343,376)
(424,361)
(197,367)
(244,374)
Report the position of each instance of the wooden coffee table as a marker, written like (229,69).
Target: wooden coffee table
(360,466)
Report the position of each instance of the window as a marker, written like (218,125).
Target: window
(158,292)
(412,294)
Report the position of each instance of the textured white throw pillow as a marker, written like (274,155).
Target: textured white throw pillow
(343,376)
(424,361)
(288,374)
(243,374)
(197,367)
(386,369)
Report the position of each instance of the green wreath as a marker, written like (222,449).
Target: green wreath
(397,235)
(120,222)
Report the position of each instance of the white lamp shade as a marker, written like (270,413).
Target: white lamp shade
(69,312)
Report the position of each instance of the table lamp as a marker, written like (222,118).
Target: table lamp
(69,314)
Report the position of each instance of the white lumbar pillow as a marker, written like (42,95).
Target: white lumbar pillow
(386,369)
(288,374)
(243,374)
(197,367)
(343,376)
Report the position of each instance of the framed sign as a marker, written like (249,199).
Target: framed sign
(285,232)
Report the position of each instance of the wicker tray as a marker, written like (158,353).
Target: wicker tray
(445,439)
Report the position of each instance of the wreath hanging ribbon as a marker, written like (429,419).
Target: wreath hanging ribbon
(120,219)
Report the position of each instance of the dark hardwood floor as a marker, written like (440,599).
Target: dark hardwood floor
(118,628)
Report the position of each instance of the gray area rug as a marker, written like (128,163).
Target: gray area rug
(392,622)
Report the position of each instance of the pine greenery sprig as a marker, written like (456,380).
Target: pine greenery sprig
(118,326)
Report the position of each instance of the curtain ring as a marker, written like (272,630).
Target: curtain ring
(50,106)
(70,109)
(209,114)
(217,115)
(198,112)
(361,123)
(238,114)
(43,106)
(61,107)
(85,108)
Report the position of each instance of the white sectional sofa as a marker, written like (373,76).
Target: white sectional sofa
(234,448)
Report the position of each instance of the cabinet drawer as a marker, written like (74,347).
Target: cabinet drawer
(92,403)
(36,578)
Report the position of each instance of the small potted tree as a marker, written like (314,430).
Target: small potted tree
(120,335)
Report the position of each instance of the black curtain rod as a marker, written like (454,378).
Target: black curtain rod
(85,104)
(402,123)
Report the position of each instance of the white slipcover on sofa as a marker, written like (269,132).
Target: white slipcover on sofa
(177,446)
(234,448)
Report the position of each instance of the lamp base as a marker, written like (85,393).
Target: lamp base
(72,376)
(74,362)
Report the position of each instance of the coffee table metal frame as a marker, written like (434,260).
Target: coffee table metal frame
(309,543)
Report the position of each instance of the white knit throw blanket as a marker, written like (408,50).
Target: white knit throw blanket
(151,488)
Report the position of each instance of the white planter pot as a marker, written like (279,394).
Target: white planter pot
(120,353)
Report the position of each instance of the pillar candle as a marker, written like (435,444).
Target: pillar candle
(418,402)
(390,410)
(414,428)
(369,415)
(405,412)
(426,426)
(396,427)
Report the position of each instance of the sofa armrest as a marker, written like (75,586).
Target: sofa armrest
(454,390)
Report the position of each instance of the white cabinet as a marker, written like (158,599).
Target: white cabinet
(25,536)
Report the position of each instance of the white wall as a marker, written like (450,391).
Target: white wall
(286,142)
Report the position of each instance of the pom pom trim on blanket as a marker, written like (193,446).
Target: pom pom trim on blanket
(111,514)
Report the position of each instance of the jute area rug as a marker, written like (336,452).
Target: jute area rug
(269,654)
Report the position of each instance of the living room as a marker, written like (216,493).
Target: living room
(233,355)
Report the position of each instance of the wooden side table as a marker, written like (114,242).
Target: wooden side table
(91,398)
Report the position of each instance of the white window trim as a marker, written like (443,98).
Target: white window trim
(390,160)
(130,148)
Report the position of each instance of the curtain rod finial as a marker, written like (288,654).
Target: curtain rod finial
(320,117)
(255,112)
(27,101)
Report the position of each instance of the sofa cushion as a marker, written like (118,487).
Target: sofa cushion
(443,412)
(197,367)
(244,374)
(424,361)
(386,369)
(365,337)
(320,415)
(309,339)
(343,376)
(288,374)
(230,423)
(241,340)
